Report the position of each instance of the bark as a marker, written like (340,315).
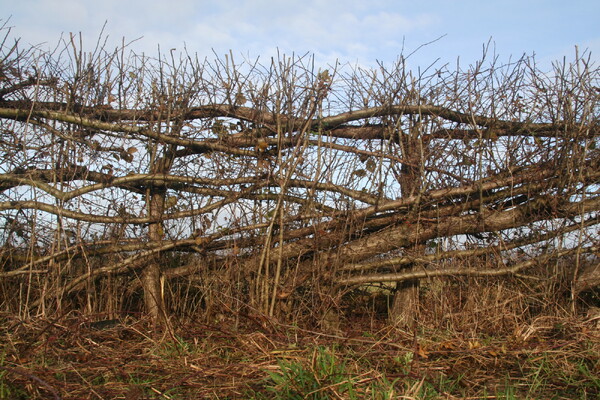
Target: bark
(404,310)
(153,299)
(405,306)
(151,277)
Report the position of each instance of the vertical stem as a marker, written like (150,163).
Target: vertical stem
(405,305)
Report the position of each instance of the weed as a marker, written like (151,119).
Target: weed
(7,389)
(325,377)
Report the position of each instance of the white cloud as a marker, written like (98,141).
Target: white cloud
(351,30)
(336,28)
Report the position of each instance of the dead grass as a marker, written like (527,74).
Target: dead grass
(494,347)
(474,338)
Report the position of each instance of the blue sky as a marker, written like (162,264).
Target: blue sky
(357,32)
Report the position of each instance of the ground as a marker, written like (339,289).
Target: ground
(71,358)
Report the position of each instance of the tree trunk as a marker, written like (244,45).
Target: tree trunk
(154,301)
(153,298)
(404,308)
(151,276)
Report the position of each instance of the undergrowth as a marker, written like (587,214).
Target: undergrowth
(472,340)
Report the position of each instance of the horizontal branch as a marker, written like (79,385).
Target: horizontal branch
(126,120)
(380,131)
(496,249)
(340,219)
(39,178)
(79,216)
(454,272)
(487,221)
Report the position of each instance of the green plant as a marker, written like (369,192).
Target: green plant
(404,362)
(175,348)
(324,378)
(7,389)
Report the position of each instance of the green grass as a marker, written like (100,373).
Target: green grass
(7,389)
(324,377)
(221,366)
(334,373)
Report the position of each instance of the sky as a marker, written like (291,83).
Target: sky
(358,32)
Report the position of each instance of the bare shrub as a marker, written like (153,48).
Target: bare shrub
(220,186)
